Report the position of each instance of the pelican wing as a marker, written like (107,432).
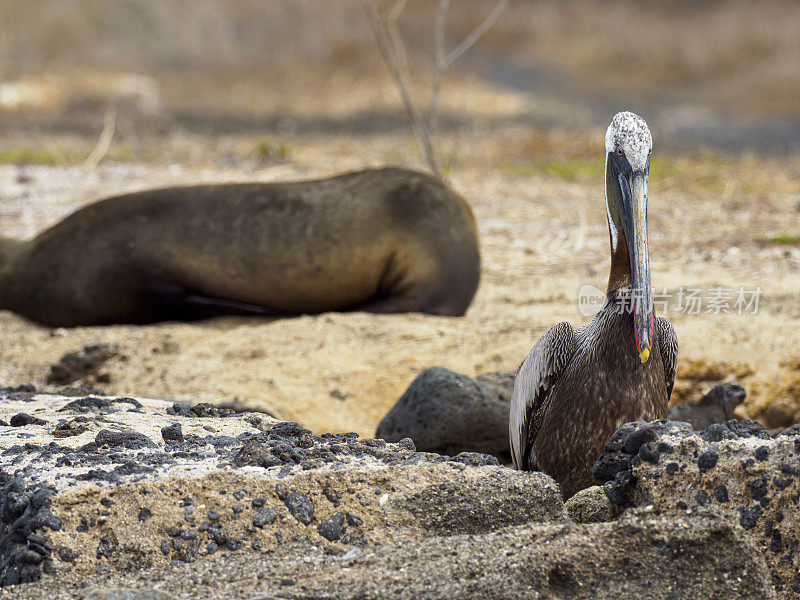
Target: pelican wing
(535,378)
(668,346)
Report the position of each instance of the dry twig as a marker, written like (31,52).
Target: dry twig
(103,142)
(393,50)
(391,47)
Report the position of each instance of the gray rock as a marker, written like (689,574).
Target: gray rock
(642,556)
(485,502)
(448,413)
(105,507)
(127,594)
(735,466)
(716,406)
(591,505)
(97,500)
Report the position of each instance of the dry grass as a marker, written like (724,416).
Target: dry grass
(241,56)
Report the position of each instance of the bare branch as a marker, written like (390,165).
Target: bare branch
(438,68)
(389,42)
(438,33)
(103,142)
(476,33)
(397,46)
(394,53)
(398,7)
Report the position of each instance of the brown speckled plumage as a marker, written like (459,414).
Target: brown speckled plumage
(576,387)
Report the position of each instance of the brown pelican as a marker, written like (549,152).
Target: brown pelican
(576,387)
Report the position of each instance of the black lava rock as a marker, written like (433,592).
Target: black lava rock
(172,433)
(620,489)
(83,389)
(449,413)
(333,527)
(758,487)
(407,444)
(748,517)
(90,403)
(718,432)
(640,435)
(24,510)
(22,419)
(289,429)
(792,431)
(721,493)
(70,428)
(300,507)
(265,516)
(125,439)
(233,543)
(747,428)
(609,464)
(181,410)
(708,460)
(67,554)
(647,454)
(204,409)
(20,389)
(255,454)
(776,542)
(107,546)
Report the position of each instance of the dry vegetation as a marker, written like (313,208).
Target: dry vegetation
(251,59)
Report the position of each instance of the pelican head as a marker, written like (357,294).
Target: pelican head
(628,146)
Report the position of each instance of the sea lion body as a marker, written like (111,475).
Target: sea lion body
(382,240)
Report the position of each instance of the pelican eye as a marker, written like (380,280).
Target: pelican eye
(620,151)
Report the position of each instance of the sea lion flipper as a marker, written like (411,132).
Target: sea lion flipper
(172,298)
(224,306)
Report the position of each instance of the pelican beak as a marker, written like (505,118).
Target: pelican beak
(632,206)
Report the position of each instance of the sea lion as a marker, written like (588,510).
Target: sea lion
(379,240)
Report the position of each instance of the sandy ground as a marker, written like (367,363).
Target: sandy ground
(542,238)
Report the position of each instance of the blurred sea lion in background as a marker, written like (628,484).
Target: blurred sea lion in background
(380,240)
